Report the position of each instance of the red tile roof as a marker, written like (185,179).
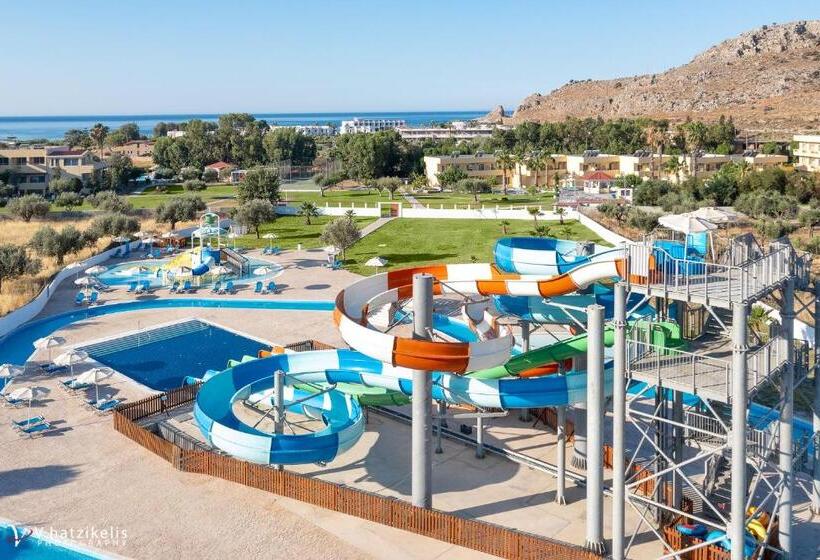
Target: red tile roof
(218,165)
(597,176)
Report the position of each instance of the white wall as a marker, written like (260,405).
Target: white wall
(19,316)
(602,232)
(439,211)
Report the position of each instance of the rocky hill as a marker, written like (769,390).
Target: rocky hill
(767,79)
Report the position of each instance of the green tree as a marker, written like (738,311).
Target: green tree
(473,187)
(259,183)
(114,224)
(286,143)
(120,170)
(560,210)
(308,210)
(194,185)
(342,233)
(504,225)
(109,201)
(695,135)
(674,166)
(389,184)
(28,206)
(178,209)
(254,213)
(68,200)
(15,261)
(536,163)
(76,137)
(450,175)
(190,173)
(534,212)
(61,185)
(810,218)
(98,133)
(541,231)
(49,242)
(209,175)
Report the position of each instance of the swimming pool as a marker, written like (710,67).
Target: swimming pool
(160,358)
(17,346)
(153,270)
(37,548)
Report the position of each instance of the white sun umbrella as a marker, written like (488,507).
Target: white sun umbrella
(26,394)
(262,271)
(95,375)
(49,342)
(712,214)
(97,269)
(331,250)
(86,282)
(9,372)
(121,239)
(220,270)
(270,237)
(377,262)
(70,358)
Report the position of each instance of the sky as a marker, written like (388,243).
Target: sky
(205,56)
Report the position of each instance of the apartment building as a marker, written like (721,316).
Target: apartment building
(370,125)
(31,168)
(457,130)
(479,166)
(593,160)
(134,149)
(807,153)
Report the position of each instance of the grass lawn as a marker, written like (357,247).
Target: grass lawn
(292,230)
(543,199)
(150,198)
(360,197)
(413,242)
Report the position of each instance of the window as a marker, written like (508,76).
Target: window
(70,162)
(37,179)
(18,161)
(37,160)
(4,161)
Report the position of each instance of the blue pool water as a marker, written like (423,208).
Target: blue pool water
(36,548)
(152,270)
(17,346)
(161,358)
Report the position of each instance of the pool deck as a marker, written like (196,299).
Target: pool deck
(84,474)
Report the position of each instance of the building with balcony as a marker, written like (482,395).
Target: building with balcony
(807,152)
(593,160)
(31,168)
(457,130)
(358,125)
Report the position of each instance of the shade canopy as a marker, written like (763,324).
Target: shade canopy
(95,375)
(686,224)
(331,250)
(171,235)
(262,271)
(85,281)
(98,269)
(49,342)
(376,261)
(220,270)
(121,239)
(270,236)
(713,215)
(71,357)
(25,393)
(7,371)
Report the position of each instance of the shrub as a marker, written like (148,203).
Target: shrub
(774,229)
(194,185)
(114,224)
(15,261)
(812,245)
(68,200)
(28,207)
(210,175)
(645,221)
(163,173)
(109,201)
(49,242)
(188,173)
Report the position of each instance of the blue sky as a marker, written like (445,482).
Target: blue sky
(181,56)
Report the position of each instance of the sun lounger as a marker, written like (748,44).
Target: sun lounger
(116,254)
(27,423)
(10,401)
(258,288)
(187,287)
(216,287)
(79,299)
(275,251)
(72,385)
(36,429)
(103,405)
(270,288)
(92,299)
(336,265)
(174,287)
(229,288)
(146,285)
(132,287)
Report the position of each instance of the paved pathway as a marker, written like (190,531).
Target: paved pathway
(371,227)
(413,200)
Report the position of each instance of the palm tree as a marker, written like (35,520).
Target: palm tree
(759,322)
(537,162)
(504,225)
(505,162)
(656,140)
(541,231)
(674,165)
(350,214)
(561,211)
(98,133)
(694,134)
(520,161)
(308,210)
(534,212)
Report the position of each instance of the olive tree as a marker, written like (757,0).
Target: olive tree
(254,213)
(28,207)
(342,233)
(15,261)
(48,242)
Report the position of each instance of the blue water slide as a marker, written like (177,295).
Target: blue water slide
(544,256)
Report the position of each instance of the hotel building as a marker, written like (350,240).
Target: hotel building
(31,168)
(807,152)
(370,125)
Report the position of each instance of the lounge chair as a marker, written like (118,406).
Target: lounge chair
(79,299)
(336,265)
(36,429)
(146,285)
(187,287)
(174,287)
(73,386)
(216,288)
(138,247)
(275,251)
(229,288)
(102,405)
(258,288)
(132,287)
(27,423)
(92,299)
(117,254)
(265,250)
(8,400)
(270,288)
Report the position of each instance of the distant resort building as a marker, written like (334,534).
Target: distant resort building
(175,133)
(807,153)
(134,149)
(456,130)
(358,125)
(31,168)
(310,129)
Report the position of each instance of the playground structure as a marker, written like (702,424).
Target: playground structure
(683,406)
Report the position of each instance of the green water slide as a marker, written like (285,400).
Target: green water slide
(664,334)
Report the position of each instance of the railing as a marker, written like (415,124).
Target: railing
(765,360)
(677,369)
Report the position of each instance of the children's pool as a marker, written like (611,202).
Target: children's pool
(162,357)
(34,547)
(153,271)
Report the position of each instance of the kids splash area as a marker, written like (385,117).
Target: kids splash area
(566,400)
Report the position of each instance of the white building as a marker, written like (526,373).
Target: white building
(807,152)
(175,133)
(310,129)
(370,125)
(457,130)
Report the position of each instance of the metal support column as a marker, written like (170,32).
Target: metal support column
(422,462)
(440,423)
(479,437)
(737,528)
(561,451)
(786,419)
(279,405)
(619,427)
(677,447)
(815,497)
(595,430)
(524,414)
(579,418)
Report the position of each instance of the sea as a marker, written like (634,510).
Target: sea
(53,127)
